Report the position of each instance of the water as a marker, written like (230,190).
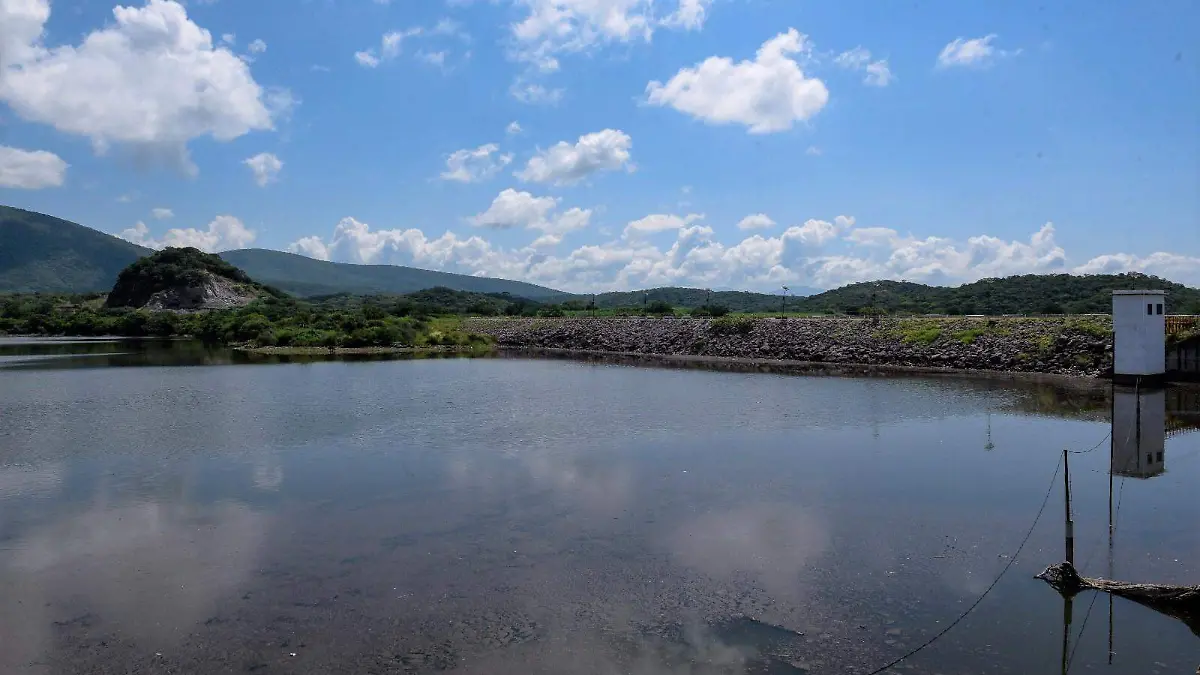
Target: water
(508,516)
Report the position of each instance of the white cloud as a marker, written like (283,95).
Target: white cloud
(313,247)
(257,47)
(472,166)
(818,253)
(437,58)
(152,81)
(448,26)
(554,27)
(513,128)
(162,214)
(533,93)
(768,94)
(813,151)
(659,222)
(962,52)
(222,234)
(30,169)
(512,209)
(266,167)
(389,47)
(566,163)
(1173,266)
(756,221)
(229,39)
(878,74)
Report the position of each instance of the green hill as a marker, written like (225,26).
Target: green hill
(185,278)
(1026,294)
(307,277)
(40,253)
(688,298)
(44,254)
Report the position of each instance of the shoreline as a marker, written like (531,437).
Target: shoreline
(349,351)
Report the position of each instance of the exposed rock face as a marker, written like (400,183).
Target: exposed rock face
(1064,346)
(212,293)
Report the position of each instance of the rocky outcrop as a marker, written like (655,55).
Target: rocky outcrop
(1077,346)
(213,292)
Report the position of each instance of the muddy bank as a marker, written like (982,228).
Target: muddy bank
(1077,347)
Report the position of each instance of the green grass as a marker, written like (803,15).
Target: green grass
(1088,327)
(969,336)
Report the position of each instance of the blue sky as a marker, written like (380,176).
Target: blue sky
(600,144)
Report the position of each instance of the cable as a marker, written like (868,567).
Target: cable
(1082,627)
(1084,452)
(1011,560)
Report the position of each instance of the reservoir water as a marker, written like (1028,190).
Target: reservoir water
(167,508)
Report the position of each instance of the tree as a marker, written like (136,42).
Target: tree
(659,307)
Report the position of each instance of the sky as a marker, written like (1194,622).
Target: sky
(592,145)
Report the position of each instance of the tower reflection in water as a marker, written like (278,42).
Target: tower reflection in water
(1142,421)
(1139,438)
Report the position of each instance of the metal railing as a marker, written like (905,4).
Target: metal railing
(1179,323)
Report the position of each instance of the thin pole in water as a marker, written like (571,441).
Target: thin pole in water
(1070,525)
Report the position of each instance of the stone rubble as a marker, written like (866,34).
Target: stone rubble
(1071,346)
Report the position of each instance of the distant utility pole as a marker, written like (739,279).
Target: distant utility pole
(645,299)
(593,305)
(783,304)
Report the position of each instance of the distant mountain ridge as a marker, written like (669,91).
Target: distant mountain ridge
(309,277)
(40,253)
(44,254)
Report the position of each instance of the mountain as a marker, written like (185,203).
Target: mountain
(44,254)
(184,278)
(1025,294)
(40,253)
(304,276)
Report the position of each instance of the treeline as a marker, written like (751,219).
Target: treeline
(1026,294)
(271,321)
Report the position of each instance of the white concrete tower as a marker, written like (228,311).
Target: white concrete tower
(1139,336)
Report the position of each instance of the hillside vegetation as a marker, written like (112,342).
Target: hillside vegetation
(307,277)
(40,253)
(180,271)
(1027,294)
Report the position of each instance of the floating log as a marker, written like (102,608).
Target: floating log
(1177,602)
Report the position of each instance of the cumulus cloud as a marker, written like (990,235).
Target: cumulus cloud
(257,47)
(878,74)
(566,163)
(513,128)
(963,52)
(266,167)
(768,94)
(152,80)
(1170,265)
(659,222)
(472,166)
(30,169)
(550,28)
(512,209)
(756,221)
(819,253)
(222,234)
(162,214)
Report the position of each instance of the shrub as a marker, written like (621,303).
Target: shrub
(659,307)
(732,325)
